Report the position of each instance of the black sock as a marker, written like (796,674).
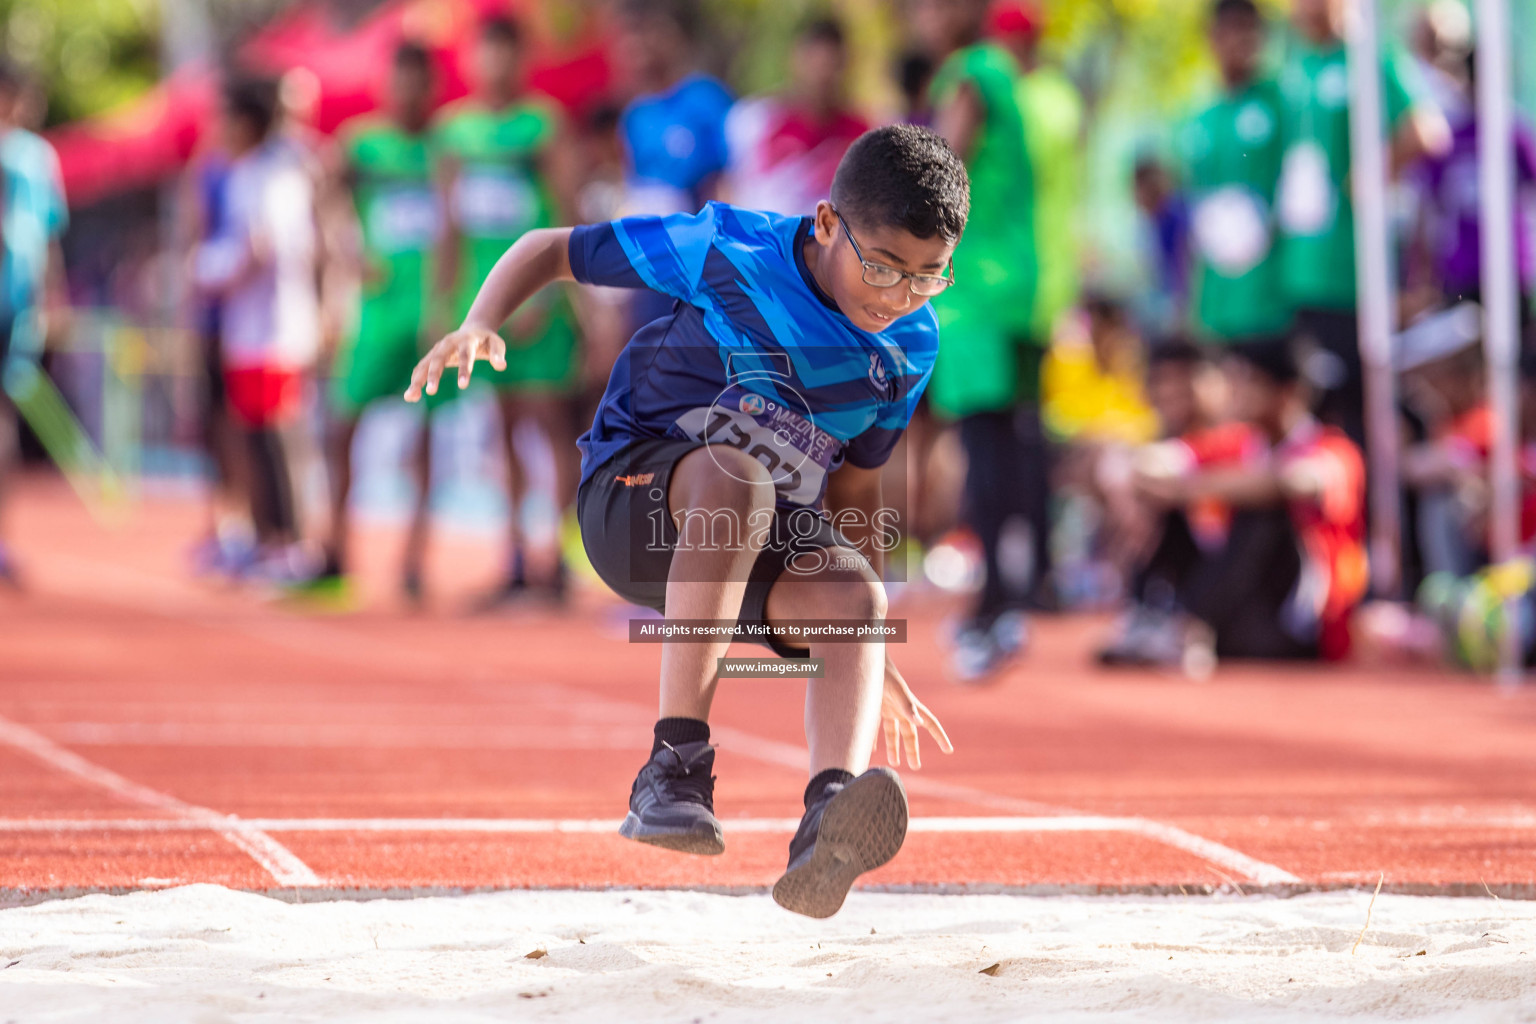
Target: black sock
(819,783)
(678,731)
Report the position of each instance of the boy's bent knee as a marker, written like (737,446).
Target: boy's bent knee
(720,479)
(830,594)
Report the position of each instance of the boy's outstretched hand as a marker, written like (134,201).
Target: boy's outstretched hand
(461,349)
(901,714)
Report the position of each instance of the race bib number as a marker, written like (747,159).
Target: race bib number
(404,220)
(1231,230)
(796,453)
(1307,199)
(489,202)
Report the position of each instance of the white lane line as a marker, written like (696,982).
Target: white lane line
(1216,853)
(797,758)
(1254,870)
(276,859)
(542,826)
(313,638)
(347,735)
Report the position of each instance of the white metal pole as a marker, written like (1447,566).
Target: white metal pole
(1495,163)
(1368,174)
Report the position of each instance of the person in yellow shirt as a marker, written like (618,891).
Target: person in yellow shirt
(1093,380)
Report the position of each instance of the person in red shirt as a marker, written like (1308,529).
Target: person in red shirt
(1153,542)
(1292,567)
(1448,471)
(784,149)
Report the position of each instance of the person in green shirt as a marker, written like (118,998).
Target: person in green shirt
(1053,112)
(1231,164)
(987,376)
(497,153)
(1315,211)
(387,170)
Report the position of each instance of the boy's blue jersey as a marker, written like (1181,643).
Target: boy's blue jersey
(754,354)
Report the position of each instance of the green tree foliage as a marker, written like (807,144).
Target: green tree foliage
(88,55)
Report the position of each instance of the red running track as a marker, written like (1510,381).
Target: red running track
(157,730)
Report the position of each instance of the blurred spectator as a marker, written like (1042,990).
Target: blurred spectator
(603,313)
(1093,380)
(914,75)
(674,128)
(1094,401)
(1053,113)
(1291,568)
(673,131)
(1440,39)
(228,546)
(784,149)
(1448,469)
(1187,393)
(1165,243)
(1316,211)
(988,371)
(504,168)
(397,219)
(1231,157)
(32,219)
(262,267)
(1452,227)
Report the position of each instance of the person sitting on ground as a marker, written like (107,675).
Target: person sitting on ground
(1187,392)
(1446,469)
(1292,567)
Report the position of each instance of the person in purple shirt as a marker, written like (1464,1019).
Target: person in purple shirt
(1165,227)
(1452,194)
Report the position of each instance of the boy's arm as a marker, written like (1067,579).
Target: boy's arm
(537,259)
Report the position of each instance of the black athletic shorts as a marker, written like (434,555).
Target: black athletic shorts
(630,536)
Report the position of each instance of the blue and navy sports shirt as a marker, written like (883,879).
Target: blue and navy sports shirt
(754,354)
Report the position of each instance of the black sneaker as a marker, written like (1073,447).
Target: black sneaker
(672,803)
(849,830)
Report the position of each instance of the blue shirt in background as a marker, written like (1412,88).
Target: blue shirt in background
(35,216)
(753,354)
(674,141)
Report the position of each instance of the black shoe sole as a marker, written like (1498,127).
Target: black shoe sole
(705,839)
(862,828)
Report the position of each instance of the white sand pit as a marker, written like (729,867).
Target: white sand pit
(205,954)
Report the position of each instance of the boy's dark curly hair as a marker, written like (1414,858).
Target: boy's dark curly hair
(906,177)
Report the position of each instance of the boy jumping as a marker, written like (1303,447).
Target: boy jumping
(733,432)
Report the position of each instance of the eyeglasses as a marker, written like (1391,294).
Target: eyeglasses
(879,275)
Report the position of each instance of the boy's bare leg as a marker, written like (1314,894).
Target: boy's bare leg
(842,709)
(855,818)
(717,496)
